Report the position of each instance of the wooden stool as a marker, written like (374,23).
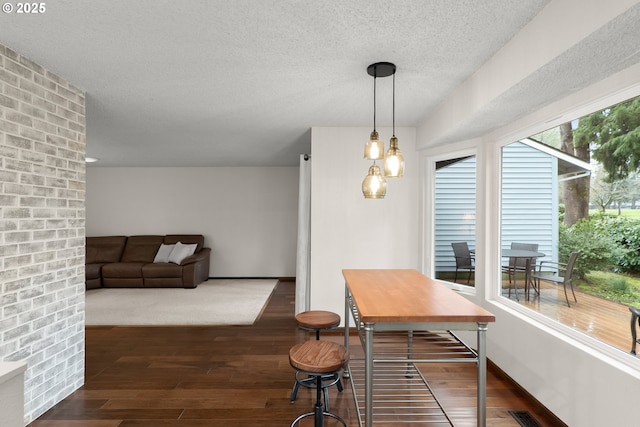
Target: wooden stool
(317,320)
(319,359)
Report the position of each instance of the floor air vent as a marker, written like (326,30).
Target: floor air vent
(524,418)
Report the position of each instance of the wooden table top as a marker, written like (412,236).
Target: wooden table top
(409,296)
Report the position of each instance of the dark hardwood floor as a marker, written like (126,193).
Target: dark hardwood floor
(232,376)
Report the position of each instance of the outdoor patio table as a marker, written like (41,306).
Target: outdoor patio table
(404,318)
(529,256)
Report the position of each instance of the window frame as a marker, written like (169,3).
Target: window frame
(495,297)
(488,152)
(429,219)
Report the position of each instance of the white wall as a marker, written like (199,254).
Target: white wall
(349,231)
(248,215)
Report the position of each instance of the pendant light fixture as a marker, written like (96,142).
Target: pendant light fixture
(394,160)
(374,185)
(374,149)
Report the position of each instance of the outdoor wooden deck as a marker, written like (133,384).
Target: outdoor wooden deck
(597,317)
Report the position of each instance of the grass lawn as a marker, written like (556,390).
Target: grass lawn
(621,288)
(628,213)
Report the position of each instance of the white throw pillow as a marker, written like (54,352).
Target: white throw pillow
(181,251)
(163,253)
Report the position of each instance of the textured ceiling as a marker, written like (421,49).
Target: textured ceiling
(241,82)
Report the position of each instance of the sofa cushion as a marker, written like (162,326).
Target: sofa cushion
(122,269)
(92,276)
(181,251)
(92,271)
(171,239)
(163,253)
(123,275)
(162,275)
(122,282)
(104,249)
(160,270)
(141,248)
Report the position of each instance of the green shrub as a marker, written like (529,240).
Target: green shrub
(625,232)
(596,248)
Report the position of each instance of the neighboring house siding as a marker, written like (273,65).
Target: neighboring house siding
(529,198)
(455,201)
(529,203)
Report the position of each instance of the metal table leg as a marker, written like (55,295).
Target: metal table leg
(347,315)
(482,374)
(368,373)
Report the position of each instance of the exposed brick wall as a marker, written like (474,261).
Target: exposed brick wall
(42,223)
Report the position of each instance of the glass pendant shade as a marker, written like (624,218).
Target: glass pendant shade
(374,149)
(394,160)
(374,185)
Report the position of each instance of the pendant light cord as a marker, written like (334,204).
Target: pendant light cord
(394,105)
(374,103)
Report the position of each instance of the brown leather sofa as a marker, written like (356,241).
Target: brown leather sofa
(128,262)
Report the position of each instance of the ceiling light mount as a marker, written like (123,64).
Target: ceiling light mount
(381,69)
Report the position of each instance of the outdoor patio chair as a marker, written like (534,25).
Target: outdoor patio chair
(635,319)
(464,259)
(558,273)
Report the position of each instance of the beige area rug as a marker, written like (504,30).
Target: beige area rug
(214,302)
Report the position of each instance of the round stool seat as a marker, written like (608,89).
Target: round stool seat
(318,357)
(317,319)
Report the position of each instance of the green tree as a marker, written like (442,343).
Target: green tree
(634,189)
(575,191)
(603,193)
(613,134)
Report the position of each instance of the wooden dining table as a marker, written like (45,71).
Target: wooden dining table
(404,317)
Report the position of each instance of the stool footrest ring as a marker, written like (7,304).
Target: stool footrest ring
(313,414)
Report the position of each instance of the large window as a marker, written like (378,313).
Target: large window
(574,189)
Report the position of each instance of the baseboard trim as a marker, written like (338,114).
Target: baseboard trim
(540,407)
